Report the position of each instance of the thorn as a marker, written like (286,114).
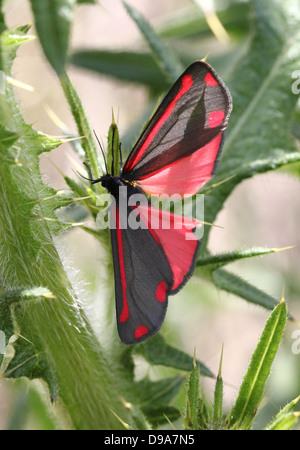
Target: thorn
(169,421)
(73,161)
(217,28)
(55,119)
(186,427)
(127,405)
(284,248)
(194,358)
(205,57)
(63,194)
(282,294)
(215,185)
(203,222)
(60,124)
(125,425)
(49,219)
(213,21)
(73,138)
(50,295)
(56,167)
(19,84)
(296,400)
(113,122)
(221,362)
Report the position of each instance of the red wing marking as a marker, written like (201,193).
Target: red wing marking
(216,118)
(187,82)
(175,235)
(140,331)
(161,292)
(125,312)
(186,175)
(209,80)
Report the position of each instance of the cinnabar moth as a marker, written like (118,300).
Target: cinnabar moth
(176,153)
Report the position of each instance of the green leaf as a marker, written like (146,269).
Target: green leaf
(286,421)
(83,126)
(253,385)
(2,22)
(286,418)
(236,285)
(29,409)
(193,395)
(164,55)
(132,67)
(189,22)
(218,398)
(154,397)
(204,414)
(92,2)
(216,261)
(53,19)
(138,67)
(218,403)
(260,84)
(29,359)
(158,352)
(161,415)
(158,393)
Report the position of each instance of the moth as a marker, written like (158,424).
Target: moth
(177,153)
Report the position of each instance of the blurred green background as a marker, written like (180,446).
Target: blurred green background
(262,211)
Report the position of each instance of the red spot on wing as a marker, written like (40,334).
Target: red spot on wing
(161,292)
(187,82)
(140,331)
(216,118)
(125,312)
(210,80)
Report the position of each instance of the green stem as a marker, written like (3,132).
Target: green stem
(56,326)
(83,126)
(55,341)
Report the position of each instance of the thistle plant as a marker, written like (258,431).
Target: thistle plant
(200,415)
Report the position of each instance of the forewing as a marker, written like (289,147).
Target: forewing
(187,128)
(187,175)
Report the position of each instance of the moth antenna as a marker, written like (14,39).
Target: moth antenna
(89,171)
(102,151)
(91,179)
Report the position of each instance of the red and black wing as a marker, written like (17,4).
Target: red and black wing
(143,280)
(150,263)
(178,150)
